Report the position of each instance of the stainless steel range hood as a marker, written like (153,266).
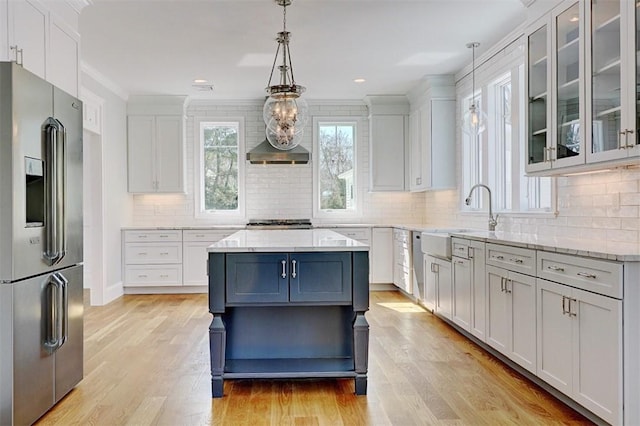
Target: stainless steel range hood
(267,154)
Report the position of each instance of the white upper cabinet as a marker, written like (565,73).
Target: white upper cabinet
(388,139)
(155,132)
(432,135)
(63,56)
(41,41)
(582,92)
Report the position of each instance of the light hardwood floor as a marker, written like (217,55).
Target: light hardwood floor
(147,363)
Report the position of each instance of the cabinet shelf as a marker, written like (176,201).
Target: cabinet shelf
(575,42)
(567,88)
(289,368)
(608,111)
(539,97)
(539,132)
(612,24)
(610,68)
(539,62)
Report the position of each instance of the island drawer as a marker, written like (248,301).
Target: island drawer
(598,276)
(155,236)
(157,253)
(512,258)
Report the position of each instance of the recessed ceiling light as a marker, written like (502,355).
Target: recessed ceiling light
(574,19)
(359,80)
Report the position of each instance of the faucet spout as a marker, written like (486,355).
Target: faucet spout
(493,221)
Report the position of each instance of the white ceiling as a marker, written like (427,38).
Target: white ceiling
(160,47)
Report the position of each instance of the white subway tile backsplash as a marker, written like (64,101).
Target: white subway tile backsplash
(274,191)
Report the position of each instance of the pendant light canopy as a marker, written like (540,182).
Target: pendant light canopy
(474,120)
(285,113)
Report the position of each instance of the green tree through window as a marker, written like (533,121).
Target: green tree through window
(220,154)
(336,159)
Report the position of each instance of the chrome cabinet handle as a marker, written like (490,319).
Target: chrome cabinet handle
(555,268)
(516,260)
(571,313)
(284,269)
(626,138)
(142,236)
(564,305)
(499,257)
(506,285)
(470,252)
(502,284)
(620,134)
(586,275)
(434,267)
(293,269)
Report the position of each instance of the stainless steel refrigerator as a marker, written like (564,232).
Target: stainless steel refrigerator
(41,304)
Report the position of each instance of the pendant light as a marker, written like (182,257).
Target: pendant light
(285,113)
(474,120)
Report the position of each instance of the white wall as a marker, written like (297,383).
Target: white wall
(276,191)
(117,202)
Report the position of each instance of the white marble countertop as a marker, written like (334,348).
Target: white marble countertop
(286,240)
(623,252)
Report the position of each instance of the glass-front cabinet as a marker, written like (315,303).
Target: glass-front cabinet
(582,83)
(612,89)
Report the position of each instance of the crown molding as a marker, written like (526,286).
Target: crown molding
(104,81)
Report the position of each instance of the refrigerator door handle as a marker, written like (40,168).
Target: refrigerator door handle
(54,290)
(64,331)
(55,182)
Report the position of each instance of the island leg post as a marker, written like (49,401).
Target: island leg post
(217,347)
(361,352)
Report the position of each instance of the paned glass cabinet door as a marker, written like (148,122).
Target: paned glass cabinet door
(568,70)
(537,68)
(636,79)
(606,78)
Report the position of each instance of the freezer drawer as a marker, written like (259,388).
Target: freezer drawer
(41,334)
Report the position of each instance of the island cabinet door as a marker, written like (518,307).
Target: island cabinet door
(320,277)
(257,278)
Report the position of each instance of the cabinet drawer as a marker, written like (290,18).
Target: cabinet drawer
(598,276)
(512,258)
(460,248)
(206,235)
(152,236)
(158,253)
(161,275)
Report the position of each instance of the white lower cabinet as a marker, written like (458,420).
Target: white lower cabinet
(580,341)
(469,288)
(402,263)
(381,256)
(194,249)
(438,286)
(511,315)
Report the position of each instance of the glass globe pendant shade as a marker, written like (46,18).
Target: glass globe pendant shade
(285,116)
(474,121)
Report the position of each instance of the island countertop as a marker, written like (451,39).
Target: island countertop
(286,240)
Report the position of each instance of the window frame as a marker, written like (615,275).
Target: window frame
(357,176)
(198,174)
(508,67)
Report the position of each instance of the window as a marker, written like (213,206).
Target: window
(220,174)
(335,168)
(503,169)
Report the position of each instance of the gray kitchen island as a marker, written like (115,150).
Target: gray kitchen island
(288,304)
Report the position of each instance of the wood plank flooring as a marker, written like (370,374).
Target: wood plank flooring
(147,363)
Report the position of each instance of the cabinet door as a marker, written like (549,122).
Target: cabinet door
(554,335)
(568,148)
(194,263)
(257,278)
(416,182)
(461,309)
(521,290)
(28,23)
(631,77)
(382,255)
(169,154)
(440,147)
(444,294)
(387,153)
(140,163)
(430,282)
(597,362)
(478,289)
(498,310)
(320,277)
(63,56)
(538,122)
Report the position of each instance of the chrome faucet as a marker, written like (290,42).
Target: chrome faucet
(493,221)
